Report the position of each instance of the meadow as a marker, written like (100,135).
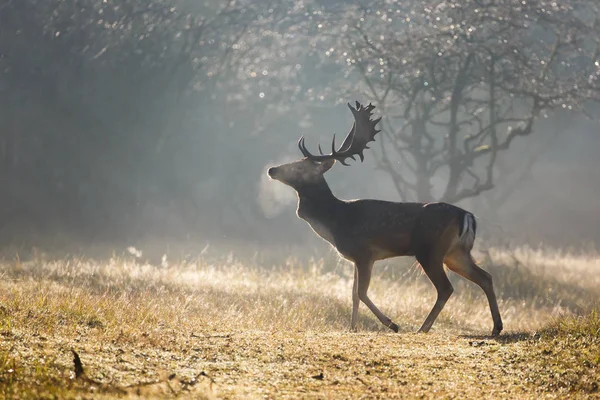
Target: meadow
(257,325)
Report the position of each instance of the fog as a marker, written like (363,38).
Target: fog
(135,122)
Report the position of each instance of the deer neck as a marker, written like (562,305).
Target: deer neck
(317,204)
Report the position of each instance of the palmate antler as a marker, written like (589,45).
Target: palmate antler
(363,131)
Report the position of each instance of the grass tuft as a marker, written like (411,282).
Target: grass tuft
(567,354)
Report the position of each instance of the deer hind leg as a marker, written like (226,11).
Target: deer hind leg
(460,261)
(363,272)
(434,269)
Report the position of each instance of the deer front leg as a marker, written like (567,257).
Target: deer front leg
(364,279)
(355,301)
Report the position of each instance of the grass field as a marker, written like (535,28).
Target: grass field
(274,327)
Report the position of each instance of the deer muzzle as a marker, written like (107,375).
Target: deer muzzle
(272,172)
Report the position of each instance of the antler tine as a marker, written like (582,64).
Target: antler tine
(363,131)
(302,148)
(333,145)
(308,154)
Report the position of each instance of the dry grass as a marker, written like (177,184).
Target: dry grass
(268,328)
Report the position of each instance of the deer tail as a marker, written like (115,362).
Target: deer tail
(468,231)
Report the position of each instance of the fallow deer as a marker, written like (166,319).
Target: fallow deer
(364,231)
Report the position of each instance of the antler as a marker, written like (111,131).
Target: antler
(363,131)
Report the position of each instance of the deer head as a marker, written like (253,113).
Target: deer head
(311,168)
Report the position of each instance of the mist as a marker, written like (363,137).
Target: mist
(122,127)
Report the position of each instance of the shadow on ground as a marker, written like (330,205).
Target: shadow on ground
(504,338)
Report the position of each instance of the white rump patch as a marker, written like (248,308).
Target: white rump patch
(467,238)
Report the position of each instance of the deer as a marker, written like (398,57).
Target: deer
(365,231)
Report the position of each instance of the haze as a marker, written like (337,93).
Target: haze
(122,131)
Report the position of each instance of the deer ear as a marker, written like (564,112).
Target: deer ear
(326,165)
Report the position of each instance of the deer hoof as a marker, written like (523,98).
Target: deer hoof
(497,329)
(393,327)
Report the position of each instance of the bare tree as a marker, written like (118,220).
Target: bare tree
(458,81)
(464,79)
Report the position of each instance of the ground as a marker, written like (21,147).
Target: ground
(269,327)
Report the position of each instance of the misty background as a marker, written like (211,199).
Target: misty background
(138,121)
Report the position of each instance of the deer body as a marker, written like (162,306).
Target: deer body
(355,228)
(364,231)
